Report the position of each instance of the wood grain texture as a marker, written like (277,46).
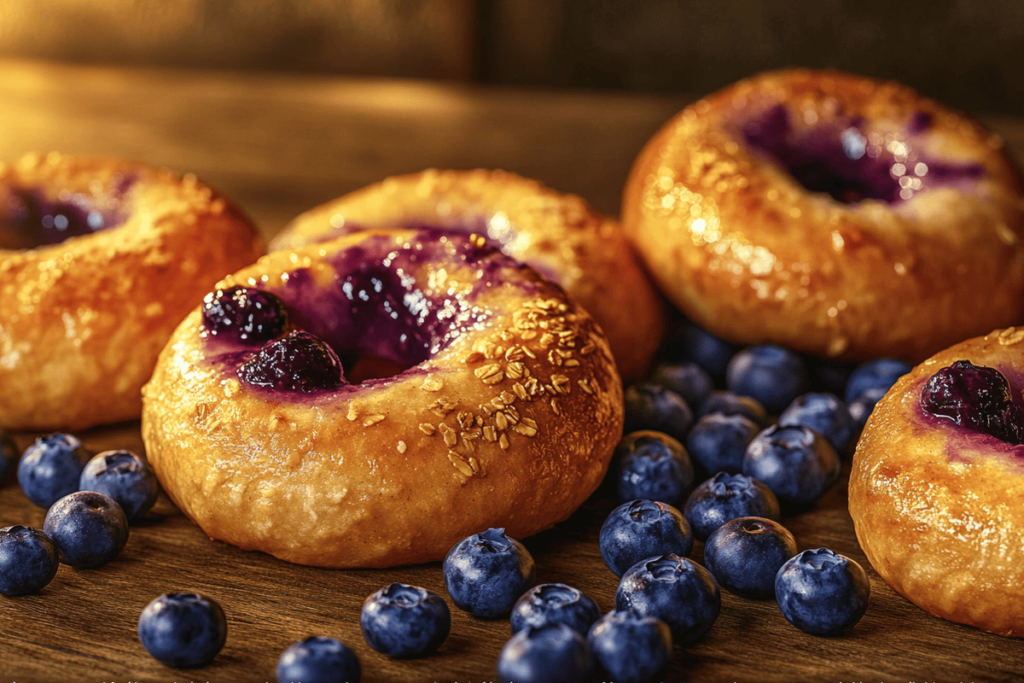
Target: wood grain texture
(280,145)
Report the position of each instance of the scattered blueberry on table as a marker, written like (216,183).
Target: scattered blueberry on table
(89,529)
(541,654)
(555,603)
(880,373)
(405,621)
(771,374)
(689,380)
(728,496)
(797,463)
(640,529)
(50,468)
(826,414)
(718,442)
(745,554)
(629,647)
(183,629)
(653,407)
(822,592)
(318,660)
(728,403)
(652,465)
(125,477)
(28,560)
(674,589)
(487,572)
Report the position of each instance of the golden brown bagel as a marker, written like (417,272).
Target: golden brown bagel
(509,421)
(928,251)
(937,507)
(557,234)
(100,260)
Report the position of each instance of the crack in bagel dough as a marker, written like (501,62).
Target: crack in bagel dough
(832,214)
(98,263)
(559,235)
(492,400)
(936,504)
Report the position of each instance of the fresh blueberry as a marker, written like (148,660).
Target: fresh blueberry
(797,463)
(745,554)
(552,603)
(50,468)
(689,380)
(655,466)
(89,528)
(630,647)
(717,442)
(183,629)
(822,592)
(653,407)
(405,621)
(28,560)
(296,362)
(705,349)
(771,374)
(318,660)
(728,496)
(876,374)
(640,529)
(825,414)
(728,403)
(487,572)
(125,477)
(974,397)
(244,314)
(541,654)
(674,589)
(8,455)
(862,406)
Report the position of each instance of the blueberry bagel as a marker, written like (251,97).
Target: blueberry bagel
(937,484)
(371,400)
(832,214)
(558,235)
(100,259)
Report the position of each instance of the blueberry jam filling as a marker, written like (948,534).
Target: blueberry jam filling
(974,397)
(388,307)
(842,158)
(297,362)
(246,314)
(29,219)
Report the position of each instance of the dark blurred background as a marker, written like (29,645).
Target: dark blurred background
(968,53)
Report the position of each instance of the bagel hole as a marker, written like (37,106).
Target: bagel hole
(843,158)
(28,219)
(363,368)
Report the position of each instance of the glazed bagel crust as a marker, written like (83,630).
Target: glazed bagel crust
(82,321)
(747,252)
(511,425)
(937,508)
(558,234)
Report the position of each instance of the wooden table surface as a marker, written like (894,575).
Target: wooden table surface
(279,145)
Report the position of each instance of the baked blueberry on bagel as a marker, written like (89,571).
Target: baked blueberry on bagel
(371,400)
(832,214)
(937,484)
(557,234)
(100,259)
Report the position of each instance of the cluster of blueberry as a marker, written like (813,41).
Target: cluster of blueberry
(89,502)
